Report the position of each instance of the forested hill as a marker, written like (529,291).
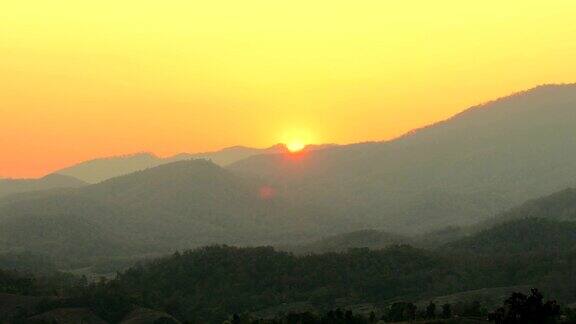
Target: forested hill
(209,284)
(525,235)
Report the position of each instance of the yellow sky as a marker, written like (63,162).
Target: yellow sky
(82,79)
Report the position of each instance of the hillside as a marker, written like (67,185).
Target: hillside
(176,205)
(210,284)
(372,239)
(457,172)
(542,225)
(213,282)
(559,206)
(526,235)
(51,181)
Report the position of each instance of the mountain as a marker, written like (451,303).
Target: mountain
(51,181)
(175,205)
(93,171)
(229,155)
(457,172)
(97,170)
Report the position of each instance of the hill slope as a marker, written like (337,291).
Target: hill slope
(342,242)
(559,206)
(457,172)
(527,235)
(51,181)
(176,205)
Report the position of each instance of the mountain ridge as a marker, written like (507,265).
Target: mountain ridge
(10,186)
(100,169)
(482,161)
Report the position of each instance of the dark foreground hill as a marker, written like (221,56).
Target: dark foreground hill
(210,284)
(457,172)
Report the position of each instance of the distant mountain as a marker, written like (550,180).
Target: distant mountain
(97,170)
(456,172)
(51,181)
(93,171)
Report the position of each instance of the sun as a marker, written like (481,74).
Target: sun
(295,146)
(296,139)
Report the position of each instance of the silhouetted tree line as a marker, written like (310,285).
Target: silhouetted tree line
(516,309)
(529,309)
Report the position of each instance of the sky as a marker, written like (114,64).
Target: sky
(86,79)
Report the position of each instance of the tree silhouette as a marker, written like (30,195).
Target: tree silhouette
(431,310)
(446,311)
(529,309)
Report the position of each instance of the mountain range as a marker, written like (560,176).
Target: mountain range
(97,170)
(458,172)
(471,208)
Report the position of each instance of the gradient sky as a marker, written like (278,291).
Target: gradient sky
(85,79)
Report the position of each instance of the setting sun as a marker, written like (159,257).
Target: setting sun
(295,146)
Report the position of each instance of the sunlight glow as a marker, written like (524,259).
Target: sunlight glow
(295,146)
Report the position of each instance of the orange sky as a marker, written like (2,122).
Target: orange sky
(84,79)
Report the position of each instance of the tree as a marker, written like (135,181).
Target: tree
(446,311)
(372,317)
(401,311)
(431,310)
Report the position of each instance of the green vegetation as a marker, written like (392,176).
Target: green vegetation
(209,284)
